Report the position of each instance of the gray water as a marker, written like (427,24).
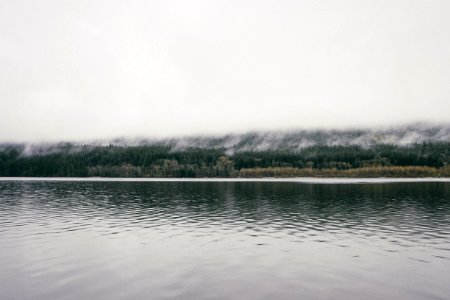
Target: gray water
(224,240)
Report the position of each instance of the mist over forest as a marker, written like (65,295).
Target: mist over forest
(417,150)
(288,140)
(300,139)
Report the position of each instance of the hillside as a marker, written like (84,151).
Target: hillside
(414,150)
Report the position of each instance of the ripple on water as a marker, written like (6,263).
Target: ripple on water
(202,240)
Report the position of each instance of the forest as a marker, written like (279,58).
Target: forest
(162,160)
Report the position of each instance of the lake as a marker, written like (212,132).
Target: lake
(101,239)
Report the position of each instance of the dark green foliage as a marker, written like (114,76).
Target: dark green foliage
(163,161)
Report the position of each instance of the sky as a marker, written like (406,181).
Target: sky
(77,70)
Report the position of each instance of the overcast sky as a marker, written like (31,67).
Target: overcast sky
(100,69)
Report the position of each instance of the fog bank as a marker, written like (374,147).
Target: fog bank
(293,140)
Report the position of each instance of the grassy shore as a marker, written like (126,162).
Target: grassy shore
(371,172)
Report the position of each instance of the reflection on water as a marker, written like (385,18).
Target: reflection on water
(224,240)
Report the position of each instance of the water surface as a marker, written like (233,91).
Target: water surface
(224,240)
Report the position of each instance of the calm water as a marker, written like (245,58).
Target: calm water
(224,240)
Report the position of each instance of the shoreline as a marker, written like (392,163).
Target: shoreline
(318,180)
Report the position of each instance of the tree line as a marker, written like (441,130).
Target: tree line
(427,159)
